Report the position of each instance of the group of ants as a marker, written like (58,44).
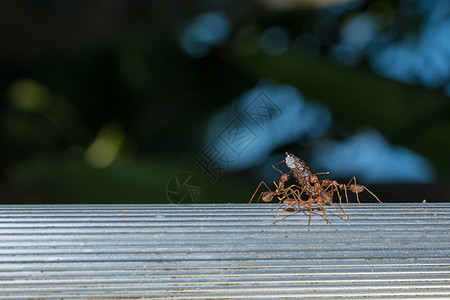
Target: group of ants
(309,193)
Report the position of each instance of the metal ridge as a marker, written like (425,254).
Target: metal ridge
(203,251)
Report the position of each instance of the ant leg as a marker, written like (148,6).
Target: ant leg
(359,188)
(286,208)
(372,194)
(273,166)
(356,191)
(323,211)
(340,200)
(281,199)
(331,204)
(297,193)
(346,194)
(322,173)
(309,219)
(346,187)
(296,199)
(336,189)
(277,185)
(285,195)
(290,189)
(279,203)
(342,209)
(251,199)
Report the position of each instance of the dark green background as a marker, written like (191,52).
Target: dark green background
(90,66)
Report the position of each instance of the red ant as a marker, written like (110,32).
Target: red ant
(319,192)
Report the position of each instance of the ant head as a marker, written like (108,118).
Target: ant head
(284,177)
(326,182)
(313,179)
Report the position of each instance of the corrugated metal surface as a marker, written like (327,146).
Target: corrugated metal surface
(229,251)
